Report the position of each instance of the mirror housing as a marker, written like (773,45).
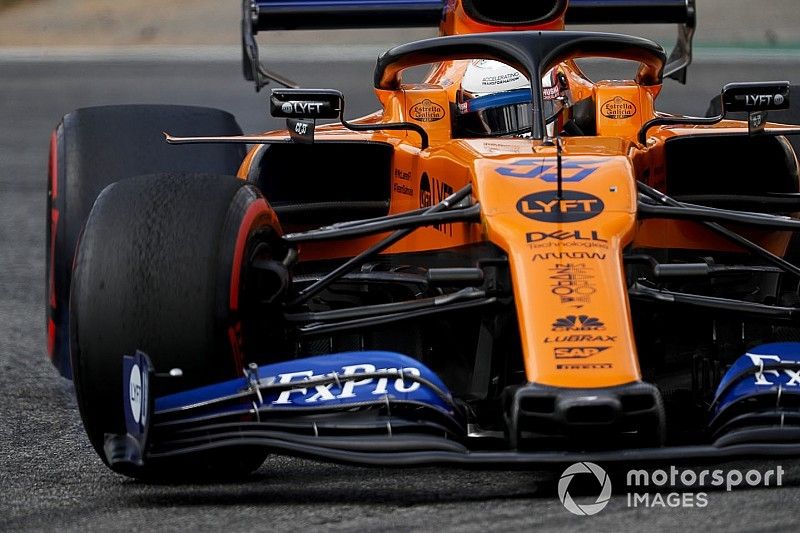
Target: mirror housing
(753,97)
(302,107)
(309,104)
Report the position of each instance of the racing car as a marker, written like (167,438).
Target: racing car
(508,265)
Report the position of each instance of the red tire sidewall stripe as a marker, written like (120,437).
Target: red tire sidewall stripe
(53,215)
(254,210)
(53,166)
(257,210)
(53,227)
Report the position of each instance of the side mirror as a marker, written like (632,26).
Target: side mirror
(302,107)
(755,96)
(755,99)
(309,104)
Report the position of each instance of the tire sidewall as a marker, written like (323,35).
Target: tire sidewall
(98,377)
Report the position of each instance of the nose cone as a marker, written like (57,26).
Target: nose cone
(565,255)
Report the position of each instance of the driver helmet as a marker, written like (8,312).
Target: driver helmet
(495,100)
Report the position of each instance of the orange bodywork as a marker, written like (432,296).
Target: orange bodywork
(559,268)
(456,21)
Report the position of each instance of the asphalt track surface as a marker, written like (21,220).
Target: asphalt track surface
(50,479)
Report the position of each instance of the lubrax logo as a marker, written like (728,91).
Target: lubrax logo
(302,108)
(573,206)
(578,352)
(581,338)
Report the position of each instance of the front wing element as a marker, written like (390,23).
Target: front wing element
(369,408)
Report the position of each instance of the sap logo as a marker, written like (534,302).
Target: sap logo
(578,352)
(578,323)
(348,389)
(539,236)
(572,206)
(761,374)
(571,171)
(302,108)
(605,339)
(763,100)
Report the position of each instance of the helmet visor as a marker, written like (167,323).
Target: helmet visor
(506,113)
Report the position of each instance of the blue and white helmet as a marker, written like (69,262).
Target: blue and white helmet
(495,100)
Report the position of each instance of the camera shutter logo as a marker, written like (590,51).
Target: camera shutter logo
(590,508)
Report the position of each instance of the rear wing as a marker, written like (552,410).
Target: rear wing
(266,15)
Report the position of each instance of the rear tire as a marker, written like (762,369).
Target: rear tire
(94,147)
(159,269)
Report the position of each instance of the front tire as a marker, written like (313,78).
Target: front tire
(96,146)
(159,268)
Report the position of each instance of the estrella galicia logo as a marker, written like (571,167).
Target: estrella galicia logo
(578,323)
(573,206)
(618,108)
(587,509)
(427,111)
